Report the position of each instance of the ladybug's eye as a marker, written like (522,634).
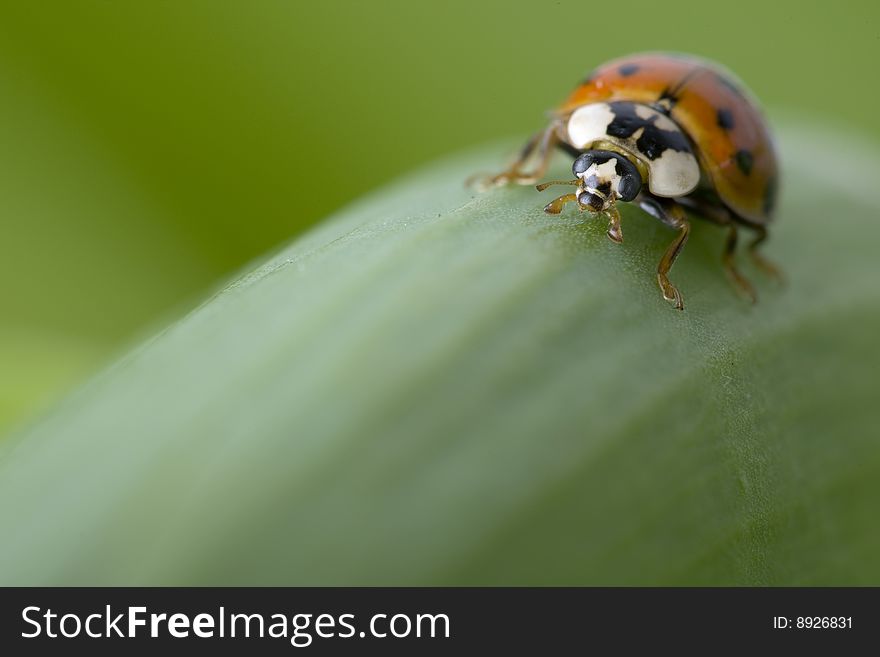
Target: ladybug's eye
(581,164)
(630,180)
(629,187)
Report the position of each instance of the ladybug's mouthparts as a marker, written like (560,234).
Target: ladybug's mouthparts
(587,198)
(593,200)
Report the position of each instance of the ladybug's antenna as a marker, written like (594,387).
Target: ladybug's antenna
(547,184)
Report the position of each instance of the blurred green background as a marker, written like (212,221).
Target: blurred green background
(147,150)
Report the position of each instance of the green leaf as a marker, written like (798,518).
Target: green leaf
(440,387)
(37,367)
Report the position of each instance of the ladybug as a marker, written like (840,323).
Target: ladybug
(673,134)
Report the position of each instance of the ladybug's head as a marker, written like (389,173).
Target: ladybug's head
(601,178)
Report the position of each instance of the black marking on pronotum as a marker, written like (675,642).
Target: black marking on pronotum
(725,119)
(744,160)
(628,69)
(653,140)
(626,121)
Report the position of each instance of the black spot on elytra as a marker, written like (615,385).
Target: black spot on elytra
(628,69)
(744,160)
(725,119)
(770,196)
(653,141)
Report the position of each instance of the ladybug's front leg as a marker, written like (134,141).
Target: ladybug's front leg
(540,148)
(673,215)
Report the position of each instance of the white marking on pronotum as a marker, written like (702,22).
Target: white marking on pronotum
(588,124)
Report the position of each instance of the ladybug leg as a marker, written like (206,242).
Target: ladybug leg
(670,292)
(555,206)
(615,234)
(760,261)
(717,213)
(673,215)
(540,148)
(739,281)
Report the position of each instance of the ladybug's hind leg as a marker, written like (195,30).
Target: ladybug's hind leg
(673,215)
(760,261)
(739,281)
(720,215)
